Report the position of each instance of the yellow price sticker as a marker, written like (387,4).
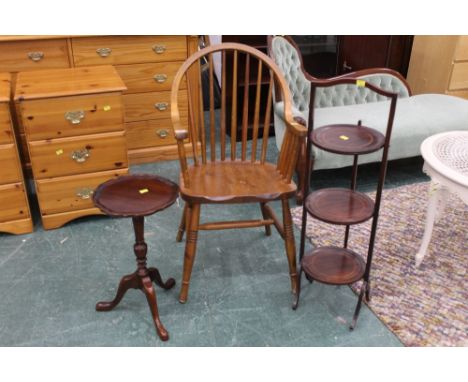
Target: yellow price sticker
(143,191)
(344,137)
(59,152)
(106,108)
(361,83)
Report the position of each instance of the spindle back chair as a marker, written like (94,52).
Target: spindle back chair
(222,170)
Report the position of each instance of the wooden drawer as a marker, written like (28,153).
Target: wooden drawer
(18,56)
(155,105)
(68,156)
(120,50)
(149,77)
(13,202)
(459,79)
(461,51)
(71,193)
(71,116)
(459,93)
(9,166)
(157,132)
(6,134)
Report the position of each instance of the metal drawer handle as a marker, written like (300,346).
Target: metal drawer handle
(159,49)
(104,52)
(160,78)
(161,106)
(36,56)
(163,133)
(84,193)
(75,117)
(80,156)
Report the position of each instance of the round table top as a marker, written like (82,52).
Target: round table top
(447,153)
(135,195)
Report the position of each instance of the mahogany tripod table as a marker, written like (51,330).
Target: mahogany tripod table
(137,196)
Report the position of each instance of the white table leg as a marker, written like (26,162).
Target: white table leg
(437,195)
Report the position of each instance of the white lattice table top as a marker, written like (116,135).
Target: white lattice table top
(447,153)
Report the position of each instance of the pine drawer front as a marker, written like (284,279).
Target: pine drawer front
(72,116)
(69,156)
(458,93)
(459,79)
(155,105)
(121,50)
(152,77)
(157,132)
(18,56)
(9,165)
(71,193)
(461,52)
(6,132)
(13,202)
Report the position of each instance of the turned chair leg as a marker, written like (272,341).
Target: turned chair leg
(182,225)
(290,246)
(193,212)
(265,216)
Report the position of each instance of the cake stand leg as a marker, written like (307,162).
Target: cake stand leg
(358,306)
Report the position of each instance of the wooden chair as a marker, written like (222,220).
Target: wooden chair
(221,172)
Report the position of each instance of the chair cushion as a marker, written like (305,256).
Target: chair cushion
(234,182)
(416,118)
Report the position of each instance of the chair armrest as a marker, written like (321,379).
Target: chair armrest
(297,126)
(181,135)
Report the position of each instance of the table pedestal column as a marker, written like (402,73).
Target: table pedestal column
(142,279)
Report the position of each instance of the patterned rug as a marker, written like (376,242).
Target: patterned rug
(425,306)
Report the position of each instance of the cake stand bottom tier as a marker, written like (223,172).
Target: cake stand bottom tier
(333,265)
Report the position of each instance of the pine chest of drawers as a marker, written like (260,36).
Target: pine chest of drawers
(147,65)
(73,121)
(15,216)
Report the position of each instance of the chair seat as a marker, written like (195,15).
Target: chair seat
(235,182)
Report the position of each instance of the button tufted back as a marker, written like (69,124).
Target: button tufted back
(287,58)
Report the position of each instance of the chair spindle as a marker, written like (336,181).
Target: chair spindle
(257,112)
(193,129)
(212,111)
(245,107)
(201,116)
(223,107)
(266,126)
(234,108)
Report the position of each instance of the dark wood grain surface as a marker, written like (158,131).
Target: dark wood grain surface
(135,195)
(348,139)
(333,265)
(339,206)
